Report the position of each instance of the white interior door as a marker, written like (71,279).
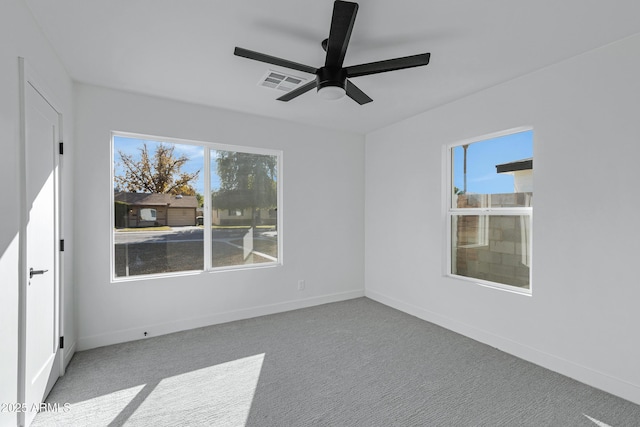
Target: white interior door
(41,317)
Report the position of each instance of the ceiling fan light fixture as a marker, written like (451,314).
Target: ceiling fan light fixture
(331,93)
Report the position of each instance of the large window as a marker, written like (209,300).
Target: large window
(490,210)
(183,206)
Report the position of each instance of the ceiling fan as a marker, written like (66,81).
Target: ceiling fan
(332,80)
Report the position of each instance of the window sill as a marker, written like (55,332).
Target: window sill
(493,285)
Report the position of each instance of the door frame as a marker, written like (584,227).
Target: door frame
(28,77)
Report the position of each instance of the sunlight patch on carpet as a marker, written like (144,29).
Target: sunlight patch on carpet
(598,423)
(216,395)
(99,411)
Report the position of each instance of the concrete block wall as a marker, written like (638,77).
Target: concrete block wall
(493,248)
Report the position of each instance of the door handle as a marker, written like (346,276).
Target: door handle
(33,272)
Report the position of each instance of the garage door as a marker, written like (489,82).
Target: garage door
(181,216)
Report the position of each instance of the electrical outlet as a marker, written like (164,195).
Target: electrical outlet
(301,285)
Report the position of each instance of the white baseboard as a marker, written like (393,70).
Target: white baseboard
(85,343)
(68,353)
(586,375)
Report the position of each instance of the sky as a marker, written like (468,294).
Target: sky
(482,158)
(194,153)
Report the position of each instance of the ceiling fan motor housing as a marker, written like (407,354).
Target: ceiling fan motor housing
(326,76)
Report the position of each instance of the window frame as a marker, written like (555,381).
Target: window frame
(207,147)
(449,212)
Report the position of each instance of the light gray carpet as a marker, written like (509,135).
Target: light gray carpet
(352,363)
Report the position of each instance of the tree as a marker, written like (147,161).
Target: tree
(247,181)
(200,199)
(159,173)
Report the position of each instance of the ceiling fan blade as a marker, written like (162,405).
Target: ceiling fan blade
(356,94)
(388,65)
(298,91)
(344,16)
(257,56)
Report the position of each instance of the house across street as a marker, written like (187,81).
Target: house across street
(154,209)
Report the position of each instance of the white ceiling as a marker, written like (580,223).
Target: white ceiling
(184,49)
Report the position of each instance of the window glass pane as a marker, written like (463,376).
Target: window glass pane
(244,208)
(495,172)
(494,248)
(158,191)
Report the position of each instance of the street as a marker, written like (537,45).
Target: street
(185,234)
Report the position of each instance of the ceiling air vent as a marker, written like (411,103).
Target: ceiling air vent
(281,81)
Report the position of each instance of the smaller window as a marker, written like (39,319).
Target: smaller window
(236,212)
(490,210)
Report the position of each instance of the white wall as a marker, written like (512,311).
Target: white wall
(322,170)
(20,36)
(583,317)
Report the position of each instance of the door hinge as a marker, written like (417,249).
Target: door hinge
(61,148)
(61,245)
(61,342)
